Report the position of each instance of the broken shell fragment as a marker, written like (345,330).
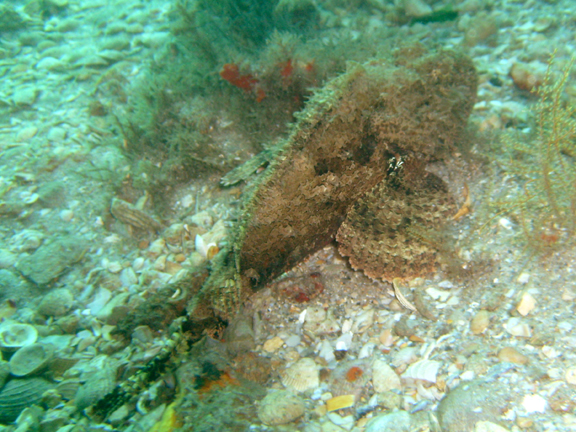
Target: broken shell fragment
(526,305)
(340,402)
(383,377)
(423,370)
(15,335)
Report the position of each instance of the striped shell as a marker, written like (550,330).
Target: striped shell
(20,393)
(96,387)
(423,370)
(301,376)
(68,388)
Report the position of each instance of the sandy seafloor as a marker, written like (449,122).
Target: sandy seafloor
(510,367)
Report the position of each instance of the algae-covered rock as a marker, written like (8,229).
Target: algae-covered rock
(52,259)
(10,19)
(409,107)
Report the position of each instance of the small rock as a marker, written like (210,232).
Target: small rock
(66,215)
(52,259)
(49,63)
(67,25)
(416,8)
(118,43)
(486,426)
(526,305)
(390,400)
(509,354)
(398,421)
(571,375)
(56,303)
(135,29)
(528,76)
(7,258)
(143,334)
(56,134)
(115,28)
(516,327)
(480,322)
(480,28)
(24,96)
(459,410)
(114,267)
(280,407)
(27,133)
(534,404)
(273,344)
(386,338)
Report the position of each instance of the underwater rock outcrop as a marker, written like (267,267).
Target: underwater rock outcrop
(348,145)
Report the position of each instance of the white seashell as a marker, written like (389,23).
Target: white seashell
(301,376)
(16,335)
(534,403)
(138,264)
(66,215)
(383,377)
(201,246)
(344,342)
(114,267)
(423,370)
(516,327)
(439,295)
(346,326)
(405,356)
(326,351)
(367,350)
(187,201)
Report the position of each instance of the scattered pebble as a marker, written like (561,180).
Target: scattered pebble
(509,354)
(480,322)
(526,305)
